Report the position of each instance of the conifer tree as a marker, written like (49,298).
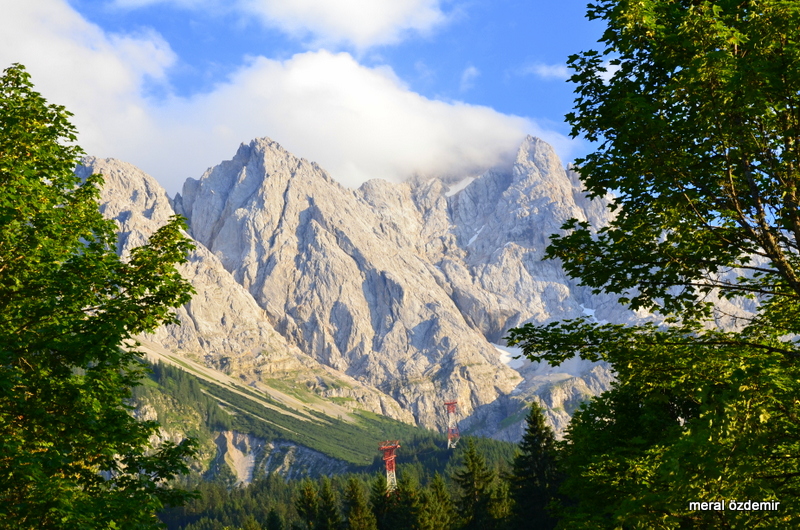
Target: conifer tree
(535,477)
(438,510)
(328,517)
(478,501)
(501,503)
(249,522)
(307,503)
(406,512)
(357,512)
(384,504)
(274,520)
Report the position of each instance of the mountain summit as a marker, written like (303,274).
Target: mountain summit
(400,293)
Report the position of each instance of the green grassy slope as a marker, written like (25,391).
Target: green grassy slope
(200,406)
(209,406)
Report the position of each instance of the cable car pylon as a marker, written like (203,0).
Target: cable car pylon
(453,436)
(388,448)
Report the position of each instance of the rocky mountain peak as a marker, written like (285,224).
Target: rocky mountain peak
(404,290)
(136,200)
(534,151)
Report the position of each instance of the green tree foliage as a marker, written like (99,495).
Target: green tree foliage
(535,478)
(184,388)
(358,515)
(438,510)
(418,502)
(274,520)
(699,136)
(270,500)
(690,417)
(400,509)
(328,517)
(307,503)
(697,133)
(71,455)
(300,504)
(410,502)
(384,505)
(250,523)
(480,506)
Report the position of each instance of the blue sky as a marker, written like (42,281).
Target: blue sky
(367,88)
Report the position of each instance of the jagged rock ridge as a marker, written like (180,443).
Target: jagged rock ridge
(400,285)
(341,284)
(222,326)
(401,290)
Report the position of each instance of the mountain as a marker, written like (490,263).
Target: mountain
(222,327)
(407,287)
(341,275)
(390,298)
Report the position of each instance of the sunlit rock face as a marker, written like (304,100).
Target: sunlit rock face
(403,290)
(344,281)
(223,326)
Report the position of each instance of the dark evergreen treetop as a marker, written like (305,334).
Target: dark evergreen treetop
(307,503)
(328,517)
(438,510)
(535,476)
(357,512)
(478,500)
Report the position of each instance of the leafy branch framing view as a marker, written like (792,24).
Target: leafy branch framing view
(71,454)
(698,139)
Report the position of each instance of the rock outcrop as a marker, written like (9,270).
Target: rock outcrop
(222,326)
(342,282)
(404,292)
(249,457)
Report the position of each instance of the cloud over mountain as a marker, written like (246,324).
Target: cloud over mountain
(359,122)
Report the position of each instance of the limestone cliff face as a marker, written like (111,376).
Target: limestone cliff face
(342,285)
(486,242)
(503,222)
(249,457)
(222,326)
(402,292)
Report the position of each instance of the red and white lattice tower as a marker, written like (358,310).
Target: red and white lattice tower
(388,449)
(452,424)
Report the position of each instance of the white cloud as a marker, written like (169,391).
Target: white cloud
(98,77)
(547,71)
(561,71)
(362,23)
(611,69)
(357,23)
(357,122)
(468,77)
